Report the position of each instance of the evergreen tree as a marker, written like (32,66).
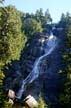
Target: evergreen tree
(1,1)
(66,95)
(31,27)
(11,37)
(12,41)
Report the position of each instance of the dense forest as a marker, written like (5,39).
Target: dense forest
(16,29)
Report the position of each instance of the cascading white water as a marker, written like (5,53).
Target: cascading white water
(50,45)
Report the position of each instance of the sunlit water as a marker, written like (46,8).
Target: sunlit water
(50,45)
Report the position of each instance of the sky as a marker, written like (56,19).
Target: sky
(56,7)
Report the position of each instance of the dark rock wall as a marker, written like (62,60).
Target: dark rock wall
(49,82)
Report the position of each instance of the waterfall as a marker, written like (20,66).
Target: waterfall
(49,46)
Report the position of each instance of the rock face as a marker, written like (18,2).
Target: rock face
(48,83)
(33,50)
